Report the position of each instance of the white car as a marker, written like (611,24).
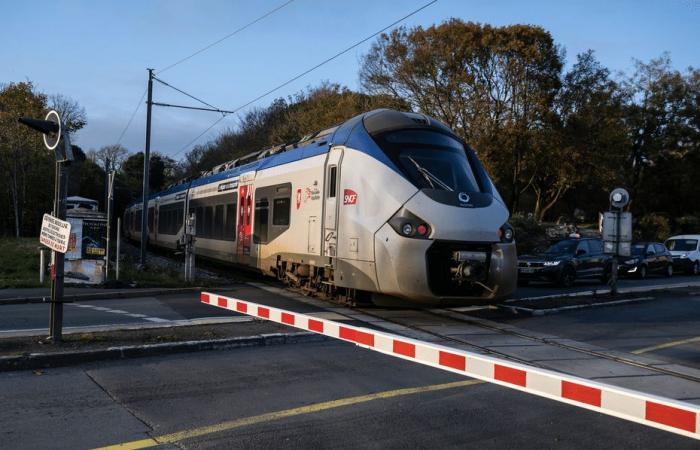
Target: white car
(685,250)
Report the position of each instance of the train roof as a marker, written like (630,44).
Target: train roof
(375,121)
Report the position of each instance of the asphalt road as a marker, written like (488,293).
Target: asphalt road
(164,308)
(666,328)
(536,289)
(325,395)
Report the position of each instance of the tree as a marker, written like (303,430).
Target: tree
(115,153)
(495,86)
(662,117)
(587,142)
(26,166)
(285,121)
(72,114)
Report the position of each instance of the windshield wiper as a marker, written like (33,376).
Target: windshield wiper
(430,177)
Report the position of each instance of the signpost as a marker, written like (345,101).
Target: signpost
(617,232)
(55,231)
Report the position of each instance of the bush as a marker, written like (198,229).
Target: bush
(687,225)
(529,233)
(652,227)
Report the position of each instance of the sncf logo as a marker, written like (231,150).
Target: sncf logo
(349,197)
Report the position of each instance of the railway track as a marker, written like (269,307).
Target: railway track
(418,319)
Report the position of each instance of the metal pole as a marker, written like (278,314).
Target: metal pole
(56,315)
(119,236)
(42,265)
(146,169)
(613,269)
(110,185)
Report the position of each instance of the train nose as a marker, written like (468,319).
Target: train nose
(462,258)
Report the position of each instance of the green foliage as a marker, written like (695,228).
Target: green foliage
(652,227)
(26,167)
(530,234)
(19,264)
(286,121)
(687,225)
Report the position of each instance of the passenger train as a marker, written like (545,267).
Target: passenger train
(390,207)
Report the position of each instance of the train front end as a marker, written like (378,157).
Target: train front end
(450,242)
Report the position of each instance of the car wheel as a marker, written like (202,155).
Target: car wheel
(567,277)
(669,270)
(642,272)
(605,278)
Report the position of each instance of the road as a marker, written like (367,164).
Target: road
(667,328)
(323,395)
(170,307)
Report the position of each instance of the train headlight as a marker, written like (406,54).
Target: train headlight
(506,233)
(409,225)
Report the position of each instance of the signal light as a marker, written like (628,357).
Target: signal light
(506,233)
(407,224)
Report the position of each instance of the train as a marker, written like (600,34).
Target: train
(388,207)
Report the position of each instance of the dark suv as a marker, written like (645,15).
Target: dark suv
(646,258)
(565,262)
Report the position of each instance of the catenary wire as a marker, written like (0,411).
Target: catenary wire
(207,47)
(185,93)
(306,72)
(133,114)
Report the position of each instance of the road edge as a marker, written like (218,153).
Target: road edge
(49,360)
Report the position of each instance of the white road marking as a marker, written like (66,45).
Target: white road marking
(121,312)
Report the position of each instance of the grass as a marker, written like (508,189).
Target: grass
(151,277)
(19,263)
(19,268)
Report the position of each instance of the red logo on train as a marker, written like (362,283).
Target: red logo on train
(298,197)
(349,197)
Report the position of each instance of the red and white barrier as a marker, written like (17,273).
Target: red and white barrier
(667,414)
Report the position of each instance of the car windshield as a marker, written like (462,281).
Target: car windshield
(568,247)
(430,160)
(682,245)
(638,249)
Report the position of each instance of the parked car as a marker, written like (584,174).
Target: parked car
(685,250)
(565,262)
(646,258)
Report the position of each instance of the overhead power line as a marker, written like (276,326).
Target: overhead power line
(207,47)
(188,95)
(233,33)
(133,114)
(306,72)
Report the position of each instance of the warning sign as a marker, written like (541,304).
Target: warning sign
(55,233)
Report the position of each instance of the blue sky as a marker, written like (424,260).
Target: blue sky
(97,52)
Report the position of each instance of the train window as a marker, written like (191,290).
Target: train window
(208,221)
(230,222)
(137,226)
(332,181)
(261,221)
(431,160)
(280,211)
(248,202)
(150,219)
(199,221)
(218,222)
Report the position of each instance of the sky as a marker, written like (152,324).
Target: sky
(97,53)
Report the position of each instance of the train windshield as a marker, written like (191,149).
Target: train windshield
(430,160)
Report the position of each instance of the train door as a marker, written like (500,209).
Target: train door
(330,215)
(245,217)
